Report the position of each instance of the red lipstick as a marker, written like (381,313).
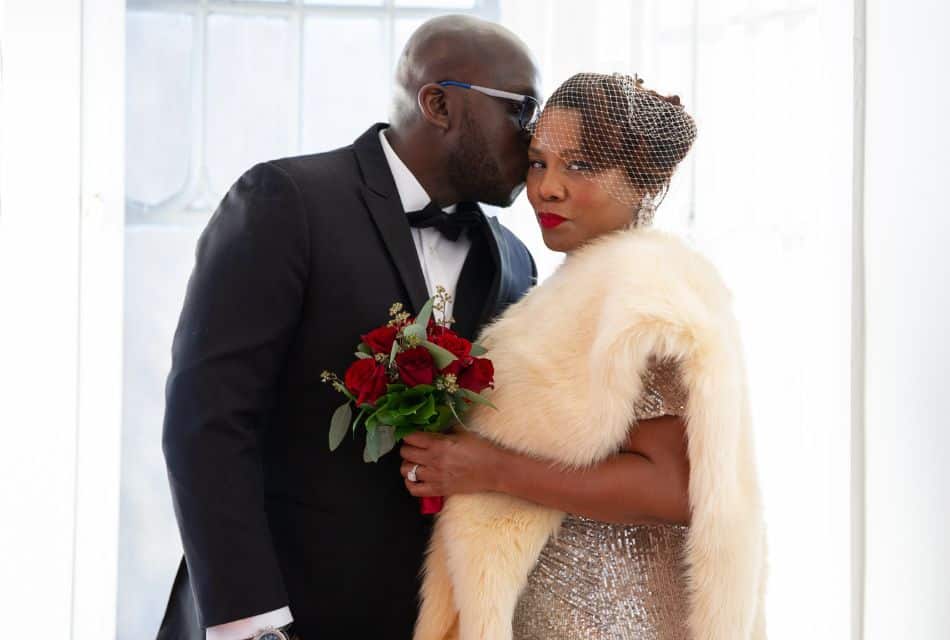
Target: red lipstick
(550,220)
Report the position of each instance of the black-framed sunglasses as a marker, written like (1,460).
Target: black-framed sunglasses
(530,107)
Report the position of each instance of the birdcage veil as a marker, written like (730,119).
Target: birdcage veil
(623,126)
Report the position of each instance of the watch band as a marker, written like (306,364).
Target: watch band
(285,632)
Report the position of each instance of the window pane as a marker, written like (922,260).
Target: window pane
(250,114)
(404,27)
(347,3)
(438,4)
(346,80)
(675,15)
(158,103)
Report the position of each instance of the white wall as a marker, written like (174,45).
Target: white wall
(773,188)
(907,221)
(39,255)
(60,315)
(158,260)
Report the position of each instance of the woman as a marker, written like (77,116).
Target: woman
(621,401)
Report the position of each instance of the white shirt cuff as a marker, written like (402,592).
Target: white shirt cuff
(249,627)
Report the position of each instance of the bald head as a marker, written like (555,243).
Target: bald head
(462,48)
(463,145)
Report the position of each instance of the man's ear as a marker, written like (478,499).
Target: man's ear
(433,105)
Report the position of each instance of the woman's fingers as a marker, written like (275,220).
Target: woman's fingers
(426,450)
(414,455)
(423,489)
(422,439)
(417,455)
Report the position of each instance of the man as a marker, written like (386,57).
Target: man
(302,256)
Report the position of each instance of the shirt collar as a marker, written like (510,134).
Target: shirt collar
(411,193)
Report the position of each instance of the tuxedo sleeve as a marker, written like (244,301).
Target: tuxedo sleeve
(241,311)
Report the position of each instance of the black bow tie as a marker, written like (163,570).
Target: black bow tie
(451,225)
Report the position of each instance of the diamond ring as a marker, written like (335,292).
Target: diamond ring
(411,476)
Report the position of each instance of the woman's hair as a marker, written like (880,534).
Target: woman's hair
(627,126)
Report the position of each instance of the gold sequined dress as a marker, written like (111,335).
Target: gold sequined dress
(600,581)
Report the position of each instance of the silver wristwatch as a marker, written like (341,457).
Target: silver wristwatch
(272,633)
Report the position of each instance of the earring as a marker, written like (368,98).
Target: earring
(644,217)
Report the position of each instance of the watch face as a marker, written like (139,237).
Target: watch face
(271,635)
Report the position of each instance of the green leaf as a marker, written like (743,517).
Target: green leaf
(455,413)
(395,388)
(461,407)
(383,401)
(425,414)
(379,442)
(339,425)
(363,413)
(422,320)
(387,440)
(402,432)
(442,357)
(364,348)
(423,388)
(371,450)
(372,421)
(392,418)
(410,403)
(447,416)
(363,356)
(416,331)
(475,397)
(478,350)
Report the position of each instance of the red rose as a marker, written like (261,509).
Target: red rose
(455,367)
(416,366)
(381,340)
(477,376)
(436,330)
(367,380)
(459,347)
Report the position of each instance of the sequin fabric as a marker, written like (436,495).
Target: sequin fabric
(602,581)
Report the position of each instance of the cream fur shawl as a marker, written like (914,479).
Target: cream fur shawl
(568,362)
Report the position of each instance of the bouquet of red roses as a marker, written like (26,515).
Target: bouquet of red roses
(413,374)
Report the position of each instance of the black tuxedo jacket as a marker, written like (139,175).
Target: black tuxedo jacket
(302,256)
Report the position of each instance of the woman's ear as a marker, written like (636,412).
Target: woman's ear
(433,105)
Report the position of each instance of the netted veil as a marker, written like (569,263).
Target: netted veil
(624,126)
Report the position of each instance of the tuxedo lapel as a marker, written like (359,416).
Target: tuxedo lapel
(485,285)
(476,283)
(382,200)
(390,220)
(501,291)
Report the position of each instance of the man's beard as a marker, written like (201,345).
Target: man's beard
(475,175)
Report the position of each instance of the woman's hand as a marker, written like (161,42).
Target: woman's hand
(450,464)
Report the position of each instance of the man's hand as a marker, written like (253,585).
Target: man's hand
(450,464)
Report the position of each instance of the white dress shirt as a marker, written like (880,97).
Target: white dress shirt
(441,260)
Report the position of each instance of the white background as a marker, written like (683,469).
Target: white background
(816,186)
